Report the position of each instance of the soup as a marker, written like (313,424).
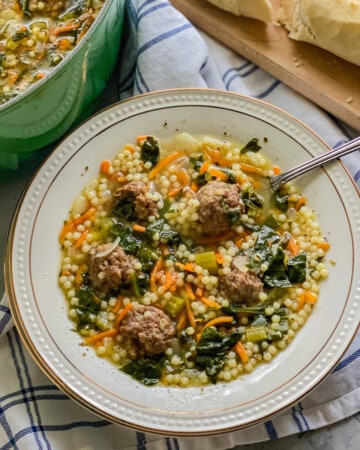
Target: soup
(181,268)
(36,35)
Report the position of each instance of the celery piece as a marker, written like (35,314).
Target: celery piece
(207,261)
(174,306)
(256,334)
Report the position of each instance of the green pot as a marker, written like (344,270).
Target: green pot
(46,111)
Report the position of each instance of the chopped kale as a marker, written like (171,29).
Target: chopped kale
(251,146)
(150,150)
(146,371)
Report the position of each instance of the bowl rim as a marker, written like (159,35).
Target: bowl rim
(10,289)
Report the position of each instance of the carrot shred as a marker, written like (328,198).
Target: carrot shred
(81,239)
(79,274)
(183,177)
(156,269)
(218,174)
(66,28)
(189,313)
(301,202)
(310,297)
(194,187)
(105,166)
(187,267)
(122,314)
(220,320)
(241,352)
(118,305)
(324,245)
(209,302)
(169,281)
(139,228)
(204,167)
(219,258)
(199,291)
(182,320)
(141,138)
(175,192)
(217,158)
(71,224)
(249,168)
(165,162)
(189,292)
(129,147)
(293,246)
(276,170)
(215,239)
(91,340)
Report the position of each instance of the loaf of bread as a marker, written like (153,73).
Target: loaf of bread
(256,9)
(333,25)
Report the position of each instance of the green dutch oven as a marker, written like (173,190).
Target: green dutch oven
(46,111)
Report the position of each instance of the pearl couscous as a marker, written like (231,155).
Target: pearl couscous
(180,267)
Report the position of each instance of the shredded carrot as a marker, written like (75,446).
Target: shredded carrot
(118,305)
(276,170)
(183,177)
(39,75)
(324,246)
(169,281)
(217,158)
(199,291)
(81,239)
(218,174)
(66,229)
(139,228)
(165,162)
(310,297)
(175,192)
(66,28)
(301,202)
(220,320)
(219,258)
(204,167)
(241,352)
(301,301)
(182,320)
(90,212)
(105,166)
(91,340)
(164,250)
(141,138)
(189,313)
(79,274)
(63,44)
(194,187)
(188,267)
(130,147)
(215,239)
(239,242)
(293,246)
(121,179)
(122,314)
(249,168)
(189,292)
(209,302)
(156,269)
(71,224)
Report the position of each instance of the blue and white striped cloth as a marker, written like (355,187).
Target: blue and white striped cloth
(163,50)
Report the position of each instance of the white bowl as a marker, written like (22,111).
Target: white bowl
(40,310)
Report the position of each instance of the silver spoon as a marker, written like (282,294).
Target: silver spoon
(277,181)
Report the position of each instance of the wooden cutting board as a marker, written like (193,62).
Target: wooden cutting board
(328,81)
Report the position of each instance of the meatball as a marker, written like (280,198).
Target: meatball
(108,271)
(220,205)
(241,286)
(147,331)
(140,194)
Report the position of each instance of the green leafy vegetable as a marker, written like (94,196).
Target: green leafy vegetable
(281,201)
(296,268)
(146,371)
(251,146)
(150,150)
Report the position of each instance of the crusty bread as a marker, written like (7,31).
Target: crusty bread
(333,25)
(257,9)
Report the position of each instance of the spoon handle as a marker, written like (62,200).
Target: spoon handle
(348,147)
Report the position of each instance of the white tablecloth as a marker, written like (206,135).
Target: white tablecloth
(163,50)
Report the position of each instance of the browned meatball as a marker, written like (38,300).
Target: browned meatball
(110,272)
(147,331)
(219,204)
(241,286)
(138,193)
